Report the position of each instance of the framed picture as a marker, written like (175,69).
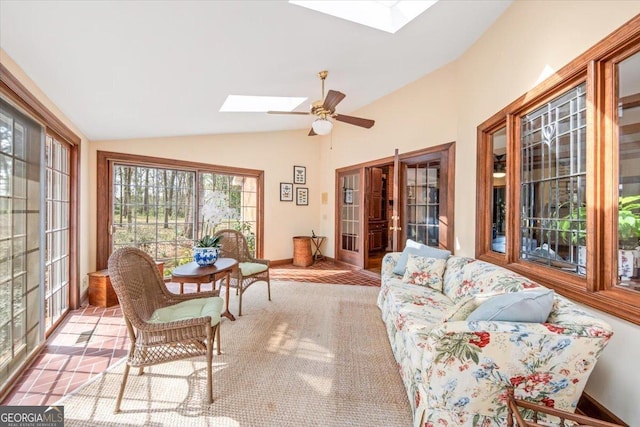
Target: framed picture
(299,175)
(286,192)
(302,196)
(348,196)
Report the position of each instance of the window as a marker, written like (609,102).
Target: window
(570,196)
(553,170)
(38,217)
(21,140)
(160,205)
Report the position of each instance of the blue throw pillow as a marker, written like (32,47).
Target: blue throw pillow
(524,306)
(415,248)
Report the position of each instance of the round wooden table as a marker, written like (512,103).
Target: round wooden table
(193,273)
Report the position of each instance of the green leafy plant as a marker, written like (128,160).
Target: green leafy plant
(628,223)
(208,242)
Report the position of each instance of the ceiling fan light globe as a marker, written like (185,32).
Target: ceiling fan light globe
(322,126)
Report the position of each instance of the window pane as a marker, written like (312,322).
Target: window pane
(552,192)
(350,222)
(20,183)
(423,202)
(629,173)
(498,191)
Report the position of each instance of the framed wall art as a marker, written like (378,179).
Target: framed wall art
(286,192)
(348,196)
(299,175)
(302,196)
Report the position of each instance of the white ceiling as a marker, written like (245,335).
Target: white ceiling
(133,69)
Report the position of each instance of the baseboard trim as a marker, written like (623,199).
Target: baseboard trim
(590,407)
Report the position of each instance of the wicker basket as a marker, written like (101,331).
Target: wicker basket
(302,251)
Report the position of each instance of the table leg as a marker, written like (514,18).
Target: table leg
(226,313)
(181,288)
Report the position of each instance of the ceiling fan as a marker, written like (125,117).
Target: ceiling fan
(324,110)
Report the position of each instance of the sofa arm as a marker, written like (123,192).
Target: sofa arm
(467,365)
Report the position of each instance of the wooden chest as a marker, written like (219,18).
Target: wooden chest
(101,293)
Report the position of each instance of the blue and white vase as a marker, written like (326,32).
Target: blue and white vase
(205,256)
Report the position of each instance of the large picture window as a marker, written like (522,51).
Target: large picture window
(572,179)
(161,206)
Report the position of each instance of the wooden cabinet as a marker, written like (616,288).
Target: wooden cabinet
(377,235)
(101,293)
(376,202)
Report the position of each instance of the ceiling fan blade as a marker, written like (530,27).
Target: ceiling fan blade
(365,123)
(300,113)
(311,132)
(333,98)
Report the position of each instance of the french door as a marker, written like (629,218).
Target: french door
(426,197)
(417,203)
(57,231)
(349,216)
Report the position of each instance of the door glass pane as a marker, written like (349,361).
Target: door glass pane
(498,191)
(154,210)
(629,173)
(350,215)
(553,183)
(58,208)
(422,207)
(21,143)
(228,201)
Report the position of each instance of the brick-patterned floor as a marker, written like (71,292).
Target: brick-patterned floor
(91,339)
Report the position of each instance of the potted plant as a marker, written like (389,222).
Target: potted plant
(206,250)
(629,222)
(628,232)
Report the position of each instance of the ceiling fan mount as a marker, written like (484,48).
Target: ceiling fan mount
(325,109)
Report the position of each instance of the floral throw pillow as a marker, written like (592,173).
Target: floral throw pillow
(424,271)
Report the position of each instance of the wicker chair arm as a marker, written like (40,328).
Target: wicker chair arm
(261,261)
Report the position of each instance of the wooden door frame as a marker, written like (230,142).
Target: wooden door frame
(446,153)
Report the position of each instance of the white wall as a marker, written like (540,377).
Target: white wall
(273,152)
(529,42)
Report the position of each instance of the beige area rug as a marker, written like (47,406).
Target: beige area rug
(316,355)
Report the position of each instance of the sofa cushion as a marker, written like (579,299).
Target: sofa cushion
(527,306)
(424,271)
(415,248)
(413,307)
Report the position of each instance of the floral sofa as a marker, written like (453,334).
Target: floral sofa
(456,371)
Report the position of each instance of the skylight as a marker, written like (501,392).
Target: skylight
(259,104)
(387,16)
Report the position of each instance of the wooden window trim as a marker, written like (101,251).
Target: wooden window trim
(15,91)
(104,172)
(596,67)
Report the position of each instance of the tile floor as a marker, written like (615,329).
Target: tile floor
(90,339)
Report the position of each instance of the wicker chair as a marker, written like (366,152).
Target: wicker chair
(162,326)
(250,270)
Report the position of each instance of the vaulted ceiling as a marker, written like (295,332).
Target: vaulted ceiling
(133,69)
